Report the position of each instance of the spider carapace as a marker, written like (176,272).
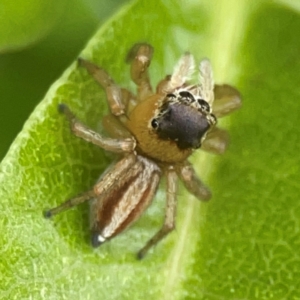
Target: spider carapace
(155,132)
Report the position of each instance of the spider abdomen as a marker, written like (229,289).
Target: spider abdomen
(124,202)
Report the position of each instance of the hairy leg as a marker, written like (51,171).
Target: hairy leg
(82,131)
(102,186)
(181,73)
(113,91)
(169,222)
(114,127)
(69,204)
(206,81)
(139,56)
(192,183)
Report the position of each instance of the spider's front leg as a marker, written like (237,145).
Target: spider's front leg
(181,73)
(139,56)
(169,222)
(82,131)
(116,97)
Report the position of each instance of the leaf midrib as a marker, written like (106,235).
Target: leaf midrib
(225,64)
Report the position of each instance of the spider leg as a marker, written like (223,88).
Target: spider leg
(82,131)
(114,127)
(206,81)
(123,202)
(181,73)
(69,204)
(192,183)
(227,100)
(129,100)
(139,56)
(216,141)
(113,174)
(113,91)
(170,214)
(101,187)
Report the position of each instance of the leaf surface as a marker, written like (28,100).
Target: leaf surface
(241,245)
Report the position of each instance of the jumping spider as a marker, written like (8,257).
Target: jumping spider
(155,132)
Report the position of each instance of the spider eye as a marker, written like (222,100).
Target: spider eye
(204,105)
(154,124)
(186,97)
(171,96)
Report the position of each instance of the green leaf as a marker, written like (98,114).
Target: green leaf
(241,245)
(24,22)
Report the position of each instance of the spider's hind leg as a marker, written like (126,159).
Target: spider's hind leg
(69,204)
(170,214)
(103,185)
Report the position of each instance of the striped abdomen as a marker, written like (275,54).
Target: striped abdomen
(124,194)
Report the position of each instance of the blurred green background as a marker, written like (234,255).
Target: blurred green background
(34,54)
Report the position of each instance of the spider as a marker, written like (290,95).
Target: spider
(155,133)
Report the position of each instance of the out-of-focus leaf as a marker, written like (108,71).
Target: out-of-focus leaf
(24,22)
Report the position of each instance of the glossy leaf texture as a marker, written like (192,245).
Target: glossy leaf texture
(241,245)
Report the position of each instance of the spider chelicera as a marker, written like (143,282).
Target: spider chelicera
(155,132)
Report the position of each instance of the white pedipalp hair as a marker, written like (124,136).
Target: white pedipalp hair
(206,81)
(182,71)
